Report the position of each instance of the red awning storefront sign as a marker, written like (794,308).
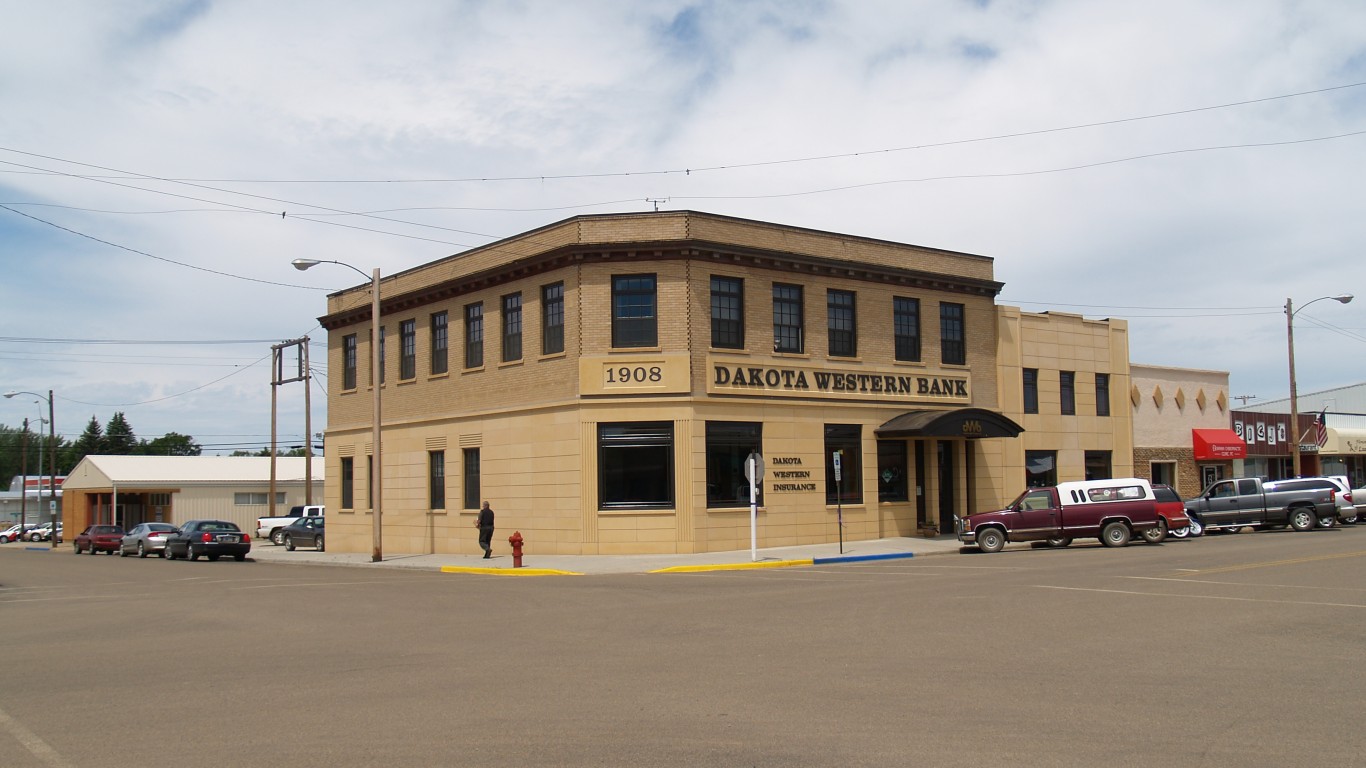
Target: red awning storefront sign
(1217,444)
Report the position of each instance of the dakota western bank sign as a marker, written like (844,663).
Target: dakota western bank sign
(726,377)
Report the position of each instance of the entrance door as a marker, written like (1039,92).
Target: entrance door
(946,486)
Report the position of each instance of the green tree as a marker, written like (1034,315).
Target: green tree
(90,443)
(119,439)
(170,444)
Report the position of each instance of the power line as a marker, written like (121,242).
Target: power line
(732,166)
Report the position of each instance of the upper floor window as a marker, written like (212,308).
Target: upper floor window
(407,353)
(474,335)
(633,311)
(1102,394)
(839,308)
(512,327)
(787,318)
(1031,390)
(349,361)
(1067,392)
(906,328)
(952,335)
(552,318)
(440,342)
(727,312)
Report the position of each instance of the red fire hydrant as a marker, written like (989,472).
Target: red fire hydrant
(516,541)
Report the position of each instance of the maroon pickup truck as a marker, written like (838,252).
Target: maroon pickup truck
(1111,510)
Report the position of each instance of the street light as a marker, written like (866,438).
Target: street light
(52,459)
(1290,313)
(377,552)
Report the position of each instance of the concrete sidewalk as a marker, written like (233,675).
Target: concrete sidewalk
(578,565)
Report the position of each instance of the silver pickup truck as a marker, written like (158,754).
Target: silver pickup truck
(1248,502)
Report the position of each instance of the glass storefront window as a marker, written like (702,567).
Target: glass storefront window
(729,443)
(635,465)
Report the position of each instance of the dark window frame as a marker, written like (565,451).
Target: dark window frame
(407,349)
(841,314)
(848,439)
(789,318)
(1102,394)
(645,478)
(348,482)
(728,445)
(893,475)
(552,319)
(470,467)
(512,327)
(436,479)
(1067,393)
(474,335)
(1030,378)
(727,312)
(906,328)
(635,311)
(952,333)
(349,361)
(440,343)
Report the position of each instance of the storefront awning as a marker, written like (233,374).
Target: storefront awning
(972,423)
(1217,444)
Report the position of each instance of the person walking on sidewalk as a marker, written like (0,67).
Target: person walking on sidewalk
(485,526)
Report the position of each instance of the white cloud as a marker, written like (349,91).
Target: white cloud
(346,90)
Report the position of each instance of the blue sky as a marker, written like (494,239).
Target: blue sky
(179,131)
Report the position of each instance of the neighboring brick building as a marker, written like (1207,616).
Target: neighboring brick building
(601,381)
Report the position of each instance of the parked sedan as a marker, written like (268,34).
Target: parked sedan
(210,538)
(99,538)
(11,533)
(304,532)
(146,539)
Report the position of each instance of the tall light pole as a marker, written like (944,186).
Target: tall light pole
(1290,313)
(377,475)
(52,458)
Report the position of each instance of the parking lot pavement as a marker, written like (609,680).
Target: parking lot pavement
(572,565)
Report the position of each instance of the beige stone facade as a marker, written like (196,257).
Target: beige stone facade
(1167,404)
(1093,423)
(630,438)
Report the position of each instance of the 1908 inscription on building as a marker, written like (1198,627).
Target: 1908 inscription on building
(808,381)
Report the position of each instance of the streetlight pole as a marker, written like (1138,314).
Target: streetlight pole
(1290,313)
(377,475)
(52,459)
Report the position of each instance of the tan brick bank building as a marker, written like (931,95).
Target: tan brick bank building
(601,381)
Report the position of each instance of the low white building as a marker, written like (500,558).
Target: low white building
(127,490)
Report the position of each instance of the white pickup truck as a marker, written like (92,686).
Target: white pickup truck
(273,527)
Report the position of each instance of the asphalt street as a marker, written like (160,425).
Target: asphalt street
(1234,650)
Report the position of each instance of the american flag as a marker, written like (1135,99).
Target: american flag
(1321,427)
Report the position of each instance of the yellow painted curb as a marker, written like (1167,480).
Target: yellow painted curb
(507,571)
(733,566)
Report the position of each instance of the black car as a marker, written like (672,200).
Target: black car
(305,532)
(211,538)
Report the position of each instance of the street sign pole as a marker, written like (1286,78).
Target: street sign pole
(754,470)
(839,500)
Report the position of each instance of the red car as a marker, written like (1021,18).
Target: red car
(99,538)
(1172,510)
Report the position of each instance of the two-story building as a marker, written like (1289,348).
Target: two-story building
(602,380)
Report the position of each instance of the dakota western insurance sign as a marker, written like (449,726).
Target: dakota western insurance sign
(780,378)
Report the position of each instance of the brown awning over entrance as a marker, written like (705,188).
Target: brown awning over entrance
(972,423)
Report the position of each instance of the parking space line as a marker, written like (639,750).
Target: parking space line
(1273,563)
(1243,583)
(1197,597)
(33,742)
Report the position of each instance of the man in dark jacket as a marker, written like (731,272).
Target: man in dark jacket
(485,526)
